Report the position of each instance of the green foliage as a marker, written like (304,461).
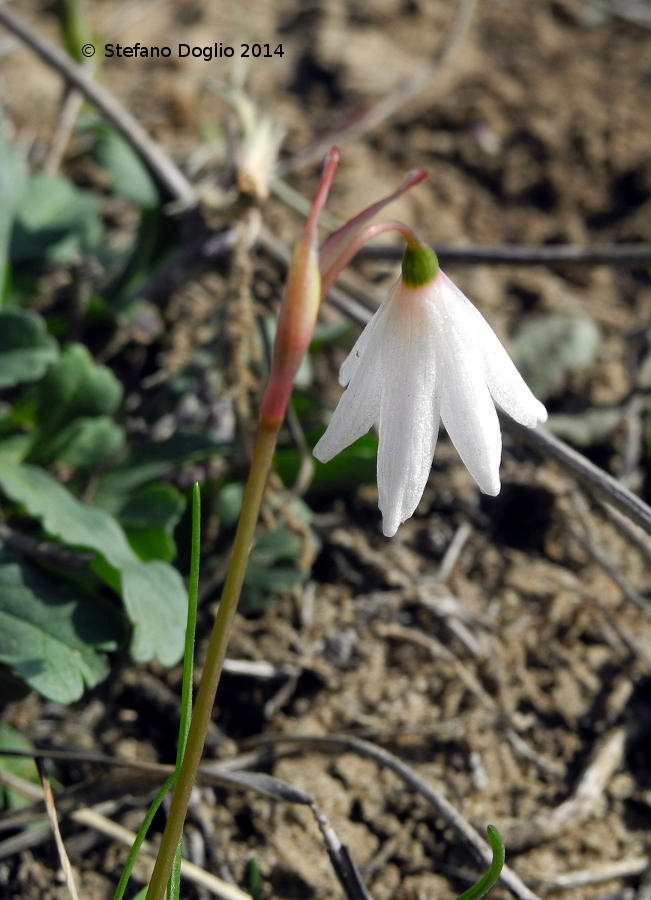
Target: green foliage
(13,180)
(73,405)
(50,633)
(16,765)
(548,348)
(274,564)
(255,882)
(353,466)
(149,517)
(56,221)
(26,350)
(147,461)
(153,592)
(129,176)
(594,426)
(58,624)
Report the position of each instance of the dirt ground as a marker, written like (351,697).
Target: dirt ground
(514,680)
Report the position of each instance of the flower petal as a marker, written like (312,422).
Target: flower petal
(409,416)
(359,405)
(467,409)
(373,331)
(505,383)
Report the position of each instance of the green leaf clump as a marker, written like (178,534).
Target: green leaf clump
(153,592)
(74,403)
(55,222)
(26,349)
(50,633)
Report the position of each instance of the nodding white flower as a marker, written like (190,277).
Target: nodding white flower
(427,356)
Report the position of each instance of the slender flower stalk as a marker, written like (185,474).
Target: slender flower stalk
(296,324)
(426,356)
(339,241)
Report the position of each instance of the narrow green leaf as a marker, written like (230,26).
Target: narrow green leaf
(483,886)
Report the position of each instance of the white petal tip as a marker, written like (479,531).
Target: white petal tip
(488,482)
(389,530)
(537,416)
(320,452)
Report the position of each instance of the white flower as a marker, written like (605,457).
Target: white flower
(426,356)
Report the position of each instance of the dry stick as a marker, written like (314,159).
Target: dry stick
(392,102)
(621,868)
(50,807)
(587,536)
(70,109)
(589,476)
(43,551)
(607,254)
(445,809)
(167,174)
(606,759)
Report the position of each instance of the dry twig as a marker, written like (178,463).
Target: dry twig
(50,808)
(515,255)
(578,808)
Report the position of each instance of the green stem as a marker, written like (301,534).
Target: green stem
(140,837)
(486,883)
(186,704)
(260,464)
(188,654)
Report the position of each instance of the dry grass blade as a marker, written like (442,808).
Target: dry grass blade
(50,808)
(589,476)
(93,819)
(343,864)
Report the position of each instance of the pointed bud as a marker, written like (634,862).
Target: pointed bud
(299,307)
